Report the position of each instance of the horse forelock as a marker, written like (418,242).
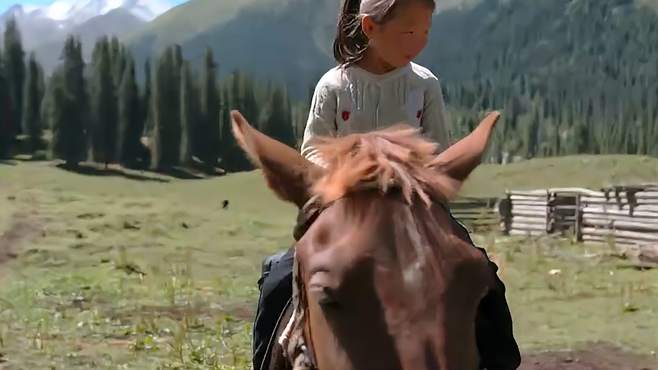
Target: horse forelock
(394,157)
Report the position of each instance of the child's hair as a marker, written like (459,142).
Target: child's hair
(351,43)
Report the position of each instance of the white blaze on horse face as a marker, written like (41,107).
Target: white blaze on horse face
(412,273)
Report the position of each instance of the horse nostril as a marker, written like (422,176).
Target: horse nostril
(325,297)
(321,288)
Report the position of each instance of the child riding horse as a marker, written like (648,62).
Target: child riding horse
(375,86)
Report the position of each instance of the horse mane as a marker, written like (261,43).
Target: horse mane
(394,157)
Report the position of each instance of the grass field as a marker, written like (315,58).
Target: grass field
(111,272)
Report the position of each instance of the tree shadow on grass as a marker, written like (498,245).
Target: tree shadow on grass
(94,171)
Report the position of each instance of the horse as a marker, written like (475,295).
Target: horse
(381,279)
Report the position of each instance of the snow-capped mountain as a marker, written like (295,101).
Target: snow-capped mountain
(74,12)
(44,28)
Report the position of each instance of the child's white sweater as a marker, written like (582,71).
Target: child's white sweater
(353,100)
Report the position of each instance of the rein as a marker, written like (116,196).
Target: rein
(296,339)
(296,347)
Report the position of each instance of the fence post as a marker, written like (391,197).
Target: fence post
(548,212)
(505,211)
(579,220)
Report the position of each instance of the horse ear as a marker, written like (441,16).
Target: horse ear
(287,173)
(461,158)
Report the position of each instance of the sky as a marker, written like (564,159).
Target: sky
(4,4)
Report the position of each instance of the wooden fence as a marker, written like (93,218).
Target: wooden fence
(540,212)
(526,212)
(625,215)
(476,213)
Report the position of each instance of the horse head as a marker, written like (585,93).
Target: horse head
(382,279)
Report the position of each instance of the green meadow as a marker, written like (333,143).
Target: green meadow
(145,271)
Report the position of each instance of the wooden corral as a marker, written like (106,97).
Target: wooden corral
(624,216)
(541,212)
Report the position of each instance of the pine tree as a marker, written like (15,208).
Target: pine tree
(248,98)
(225,133)
(158,130)
(187,113)
(277,121)
(114,48)
(209,134)
(15,69)
(104,106)
(147,104)
(165,143)
(41,82)
(59,110)
(176,68)
(46,100)
(118,60)
(235,93)
(556,147)
(6,129)
(532,130)
(239,95)
(130,120)
(653,136)
(69,107)
(32,125)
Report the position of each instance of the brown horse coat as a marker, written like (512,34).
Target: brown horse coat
(386,282)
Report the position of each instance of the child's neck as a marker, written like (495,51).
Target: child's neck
(373,64)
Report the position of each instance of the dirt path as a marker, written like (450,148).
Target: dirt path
(21,229)
(24,225)
(594,357)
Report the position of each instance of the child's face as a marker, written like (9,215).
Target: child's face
(399,40)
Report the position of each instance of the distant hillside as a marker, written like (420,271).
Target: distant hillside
(190,19)
(285,40)
(290,40)
(571,76)
(115,23)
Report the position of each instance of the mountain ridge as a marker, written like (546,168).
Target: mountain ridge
(44,28)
